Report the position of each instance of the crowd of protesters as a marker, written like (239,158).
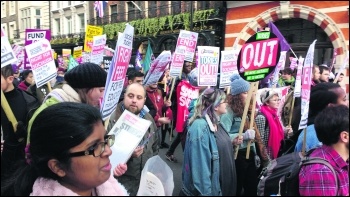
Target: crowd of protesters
(59,146)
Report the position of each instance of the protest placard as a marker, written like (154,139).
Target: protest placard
(258,56)
(208,65)
(98,45)
(91,31)
(157,68)
(306,85)
(228,66)
(41,60)
(31,36)
(117,71)
(129,131)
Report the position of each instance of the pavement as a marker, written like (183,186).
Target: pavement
(176,167)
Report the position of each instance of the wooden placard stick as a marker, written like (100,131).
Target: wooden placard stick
(49,86)
(228,90)
(252,114)
(291,112)
(7,109)
(244,117)
(106,123)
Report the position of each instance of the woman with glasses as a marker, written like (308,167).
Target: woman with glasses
(208,166)
(269,123)
(68,155)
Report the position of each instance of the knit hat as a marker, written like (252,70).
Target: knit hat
(238,84)
(193,77)
(86,75)
(267,94)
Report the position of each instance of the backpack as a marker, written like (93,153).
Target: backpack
(281,177)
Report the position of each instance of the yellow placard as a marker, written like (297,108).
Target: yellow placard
(66,52)
(91,31)
(77,52)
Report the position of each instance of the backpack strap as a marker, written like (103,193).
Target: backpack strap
(316,160)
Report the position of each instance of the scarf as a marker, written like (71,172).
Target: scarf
(276,130)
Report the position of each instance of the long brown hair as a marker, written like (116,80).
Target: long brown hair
(236,103)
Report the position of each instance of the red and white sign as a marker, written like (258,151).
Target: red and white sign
(185,93)
(98,45)
(117,71)
(157,68)
(208,65)
(259,54)
(306,85)
(228,66)
(40,56)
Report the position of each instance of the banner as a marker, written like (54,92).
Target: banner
(98,47)
(41,60)
(185,50)
(117,71)
(157,68)
(297,88)
(34,35)
(208,65)
(91,31)
(7,54)
(185,92)
(306,85)
(228,67)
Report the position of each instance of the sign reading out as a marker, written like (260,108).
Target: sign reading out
(258,56)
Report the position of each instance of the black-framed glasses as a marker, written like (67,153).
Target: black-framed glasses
(97,149)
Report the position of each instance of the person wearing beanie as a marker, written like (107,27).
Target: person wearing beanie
(83,84)
(269,124)
(246,169)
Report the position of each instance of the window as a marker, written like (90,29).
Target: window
(114,13)
(69,25)
(82,22)
(152,9)
(12,7)
(176,7)
(38,23)
(58,26)
(37,12)
(203,5)
(132,10)
(25,19)
(69,3)
(3,9)
(58,4)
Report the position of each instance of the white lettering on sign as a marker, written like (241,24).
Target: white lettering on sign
(254,54)
(186,95)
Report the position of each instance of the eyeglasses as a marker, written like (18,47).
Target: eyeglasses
(97,149)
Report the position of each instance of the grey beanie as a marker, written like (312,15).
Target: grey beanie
(238,84)
(193,77)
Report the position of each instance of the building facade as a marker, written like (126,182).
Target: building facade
(17,16)
(159,22)
(9,19)
(300,22)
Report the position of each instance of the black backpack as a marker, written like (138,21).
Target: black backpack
(281,176)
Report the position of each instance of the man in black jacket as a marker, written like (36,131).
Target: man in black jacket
(21,104)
